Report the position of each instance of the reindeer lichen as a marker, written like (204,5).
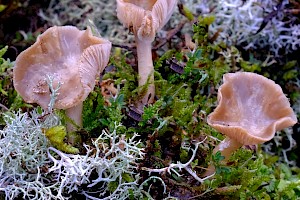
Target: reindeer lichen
(106,171)
(174,144)
(23,158)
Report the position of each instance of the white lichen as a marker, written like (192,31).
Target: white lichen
(174,168)
(30,168)
(106,163)
(101,13)
(284,141)
(23,158)
(238,23)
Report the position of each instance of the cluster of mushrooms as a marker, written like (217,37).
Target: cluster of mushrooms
(251,107)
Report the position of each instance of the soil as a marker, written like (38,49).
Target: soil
(20,15)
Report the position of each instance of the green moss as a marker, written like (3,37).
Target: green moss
(187,13)
(184,155)
(157,149)
(290,74)
(256,176)
(183,101)
(93,110)
(98,115)
(56,136)
(201,30)
(124,75)
(186,92)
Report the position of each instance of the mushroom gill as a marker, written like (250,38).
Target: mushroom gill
(251,108)
(71,57)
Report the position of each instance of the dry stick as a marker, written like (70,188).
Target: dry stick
(4,107)
(219,191)
(128,47)
(170,34)
(295,3)
(294,11)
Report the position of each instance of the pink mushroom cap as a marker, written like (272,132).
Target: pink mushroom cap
(251,108)
(72,57)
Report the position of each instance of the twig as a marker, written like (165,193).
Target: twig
(200,195)
(128,47)
(170,34)
(294,11)
(4,107)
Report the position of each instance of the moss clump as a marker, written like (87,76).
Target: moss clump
(56,136)
(170,129)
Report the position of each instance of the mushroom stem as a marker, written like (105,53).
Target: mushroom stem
(145,69)
(74,113)
(226,147)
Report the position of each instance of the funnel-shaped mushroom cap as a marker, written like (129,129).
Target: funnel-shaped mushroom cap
(72,57)
(145,17)
(251,108)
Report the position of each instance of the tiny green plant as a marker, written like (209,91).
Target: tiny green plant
(217,159)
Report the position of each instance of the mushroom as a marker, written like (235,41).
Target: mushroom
(73,58)
(251,108)
(145,18)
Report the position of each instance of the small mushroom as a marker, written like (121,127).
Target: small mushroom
(251,108)
(73,58)
(145,18)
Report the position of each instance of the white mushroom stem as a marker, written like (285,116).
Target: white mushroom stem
(74,113)
(145,68)
(226,147)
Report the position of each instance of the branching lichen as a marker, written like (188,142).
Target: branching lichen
(109,166)
(23,158)
(112,162)
(179,166)
(254,24)
(102,13)
(30,169)
(282,144)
